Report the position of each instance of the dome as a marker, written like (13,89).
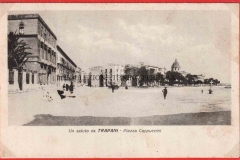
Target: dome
(175,64)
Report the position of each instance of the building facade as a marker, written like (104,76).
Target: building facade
(113,73)
(65,67)
(103,76)
(153,69)
(40,69)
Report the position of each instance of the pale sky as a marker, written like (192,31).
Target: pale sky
(200,40)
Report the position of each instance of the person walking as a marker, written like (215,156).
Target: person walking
(164,92)
(126,86)
(112,86)
(202,90)
(67,86)
(71,87)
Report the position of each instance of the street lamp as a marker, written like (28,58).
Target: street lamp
(210,90)
(211,84)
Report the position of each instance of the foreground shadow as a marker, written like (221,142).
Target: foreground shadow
(202,118)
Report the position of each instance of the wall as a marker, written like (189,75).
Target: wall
(31,26)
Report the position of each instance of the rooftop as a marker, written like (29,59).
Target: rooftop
(65,55)
(175,64)
(31,16)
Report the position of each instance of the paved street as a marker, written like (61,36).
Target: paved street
(101,102)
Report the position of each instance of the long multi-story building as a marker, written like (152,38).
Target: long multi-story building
(47,62)
(65,66)
(40,69)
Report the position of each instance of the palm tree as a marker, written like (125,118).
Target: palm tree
(143,73)
(17,55)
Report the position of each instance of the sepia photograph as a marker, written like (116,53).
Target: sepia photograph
(119,68)
(119,80)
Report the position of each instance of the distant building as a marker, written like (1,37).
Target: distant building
(152,69)
(175,66)
(40,68)
(65,66)
(103,76)
(96,74)
(155,69)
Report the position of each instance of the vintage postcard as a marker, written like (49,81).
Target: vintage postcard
(119,80)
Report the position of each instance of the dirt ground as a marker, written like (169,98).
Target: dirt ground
(129,107)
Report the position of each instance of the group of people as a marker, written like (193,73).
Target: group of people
(67,87)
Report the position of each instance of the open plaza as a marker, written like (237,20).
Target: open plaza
(37,82)
(135,106)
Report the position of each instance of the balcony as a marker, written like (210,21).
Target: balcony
(53,65)
(44,61)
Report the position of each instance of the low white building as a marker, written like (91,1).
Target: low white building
(102,76)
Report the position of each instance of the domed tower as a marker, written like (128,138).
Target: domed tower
(175,66)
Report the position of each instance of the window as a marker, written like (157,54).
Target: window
(33,78)
(42,45)
(27,78)
(42,31)
(11,77)
(21,28)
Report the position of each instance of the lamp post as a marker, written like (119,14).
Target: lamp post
(211,84)
(210,90)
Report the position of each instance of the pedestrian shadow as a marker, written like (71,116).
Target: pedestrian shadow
(63,95)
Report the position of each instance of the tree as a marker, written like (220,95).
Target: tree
(132,72)
(190,79)
(174,77)
(170,77)
(160,79)
(199,82)
(143,75)
(17,55)
(214,81)
(206,81)
(151,77)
